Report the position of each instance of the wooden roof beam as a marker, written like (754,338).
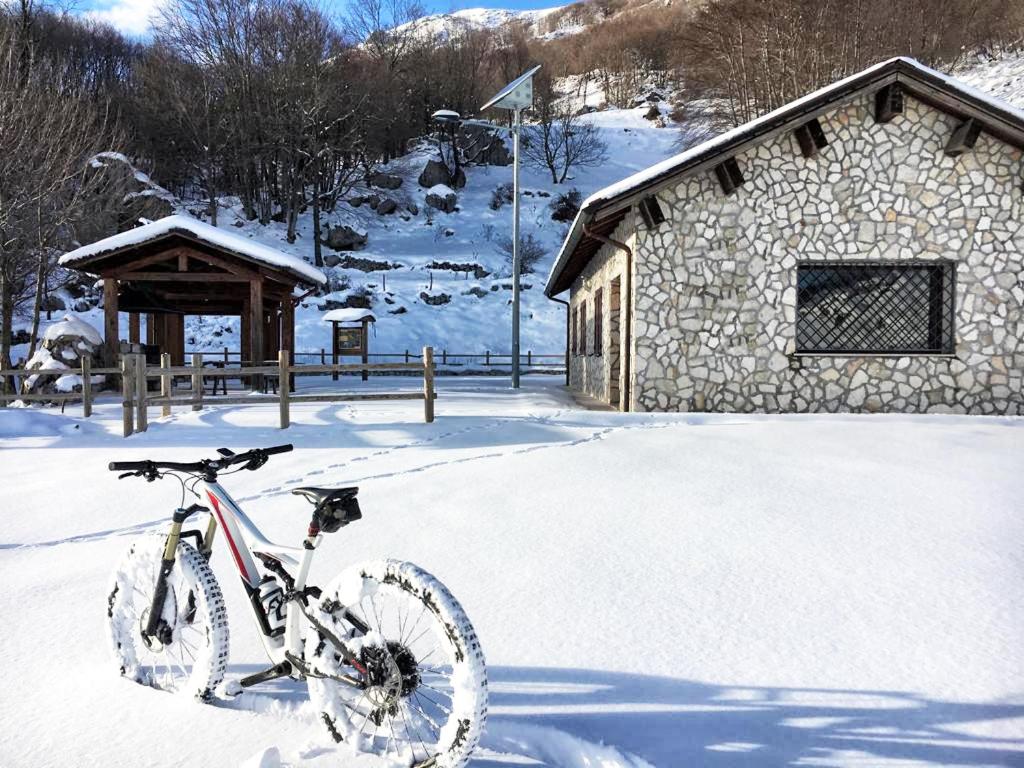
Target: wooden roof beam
(963,138)
(730,177)
(811,137)
(888,102)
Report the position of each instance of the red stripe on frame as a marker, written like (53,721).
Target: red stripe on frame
(231,543)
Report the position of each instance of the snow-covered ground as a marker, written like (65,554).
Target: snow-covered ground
(680,590)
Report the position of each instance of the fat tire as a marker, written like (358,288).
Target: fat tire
(471,708)
(143,557)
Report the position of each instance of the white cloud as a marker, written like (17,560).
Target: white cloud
(131,17)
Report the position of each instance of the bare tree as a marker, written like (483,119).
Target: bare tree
(48,131)
(560,140)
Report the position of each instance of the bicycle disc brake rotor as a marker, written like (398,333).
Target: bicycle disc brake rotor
(391,674)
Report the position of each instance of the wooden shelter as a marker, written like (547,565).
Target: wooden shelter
(179,266)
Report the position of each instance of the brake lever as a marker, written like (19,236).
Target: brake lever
(127,474)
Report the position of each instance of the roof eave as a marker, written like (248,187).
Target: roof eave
(88,261)
(920,82)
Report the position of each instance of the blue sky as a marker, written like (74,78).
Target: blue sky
(131,16)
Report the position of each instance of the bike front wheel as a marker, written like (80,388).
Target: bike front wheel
(190,652)
(422,693)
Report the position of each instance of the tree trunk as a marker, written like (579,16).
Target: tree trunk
(6,323)
(318,257)
(37,303)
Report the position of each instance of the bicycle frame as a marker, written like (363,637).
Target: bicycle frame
(245,541)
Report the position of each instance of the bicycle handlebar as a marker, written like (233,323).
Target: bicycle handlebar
(257,457)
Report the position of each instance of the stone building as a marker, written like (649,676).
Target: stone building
(860,249)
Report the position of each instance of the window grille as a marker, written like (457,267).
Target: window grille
(598,321)
(904,308)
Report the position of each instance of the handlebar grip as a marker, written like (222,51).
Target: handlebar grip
(120,466)
(278,449)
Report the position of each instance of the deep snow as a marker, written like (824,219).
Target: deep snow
(685,590)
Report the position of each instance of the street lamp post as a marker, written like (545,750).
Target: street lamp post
(516,96)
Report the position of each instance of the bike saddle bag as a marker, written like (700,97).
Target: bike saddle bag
(333,513)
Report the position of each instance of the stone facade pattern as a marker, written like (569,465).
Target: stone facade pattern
(715,285)
(590,373)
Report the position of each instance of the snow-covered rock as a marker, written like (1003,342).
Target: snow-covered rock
(442,197)
(64,345)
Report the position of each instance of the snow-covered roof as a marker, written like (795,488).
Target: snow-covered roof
(181,224)
(348,315)
(72,325)
(994,114)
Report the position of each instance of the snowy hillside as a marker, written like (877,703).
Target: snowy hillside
(438,278)
(1001,76)
(441,25)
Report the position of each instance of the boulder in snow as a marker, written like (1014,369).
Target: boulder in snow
(386,180)
(64,345)
(435,300)
(386,207)
(435,172)
(345,238)
(442,197)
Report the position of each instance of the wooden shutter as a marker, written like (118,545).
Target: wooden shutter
(598,324)
(583,327)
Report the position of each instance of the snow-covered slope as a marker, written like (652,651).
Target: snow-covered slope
(422,285)
(441,25)
(1000,75)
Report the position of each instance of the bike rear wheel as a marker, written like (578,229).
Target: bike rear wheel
(424,699)
(191,654)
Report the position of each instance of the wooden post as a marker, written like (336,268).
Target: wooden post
(444,357)
(282,386)
(258,353)
(407,355)
(86,386)
(288,337)
(110,329)
(334,349)
(323,356)
(487,357)
(529,358)
(165,382)
(225,356)
(366,347)
(141,393)
(126,395)
(428,384)
(197,381)
(134,335)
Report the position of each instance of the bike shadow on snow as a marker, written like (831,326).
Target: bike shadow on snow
(573,718)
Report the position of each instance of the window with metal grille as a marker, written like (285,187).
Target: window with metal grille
(575,328)
(598,315)
(583,327)
(904,308)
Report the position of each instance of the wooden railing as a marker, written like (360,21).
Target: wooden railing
(444,361)
(136,399)
(86,396)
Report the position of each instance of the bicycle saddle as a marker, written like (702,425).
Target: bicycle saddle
(323,496)
(334,507)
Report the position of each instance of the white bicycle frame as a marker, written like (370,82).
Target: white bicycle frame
(245,542)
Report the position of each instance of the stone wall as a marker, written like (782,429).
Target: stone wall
(715,312)
(590,373)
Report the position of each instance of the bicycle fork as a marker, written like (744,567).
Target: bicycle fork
(156,628)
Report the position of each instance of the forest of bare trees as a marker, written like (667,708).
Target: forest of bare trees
(284,106)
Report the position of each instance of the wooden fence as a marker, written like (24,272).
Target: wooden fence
(136,399)
(444,361)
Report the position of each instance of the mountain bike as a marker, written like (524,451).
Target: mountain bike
(391,662)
